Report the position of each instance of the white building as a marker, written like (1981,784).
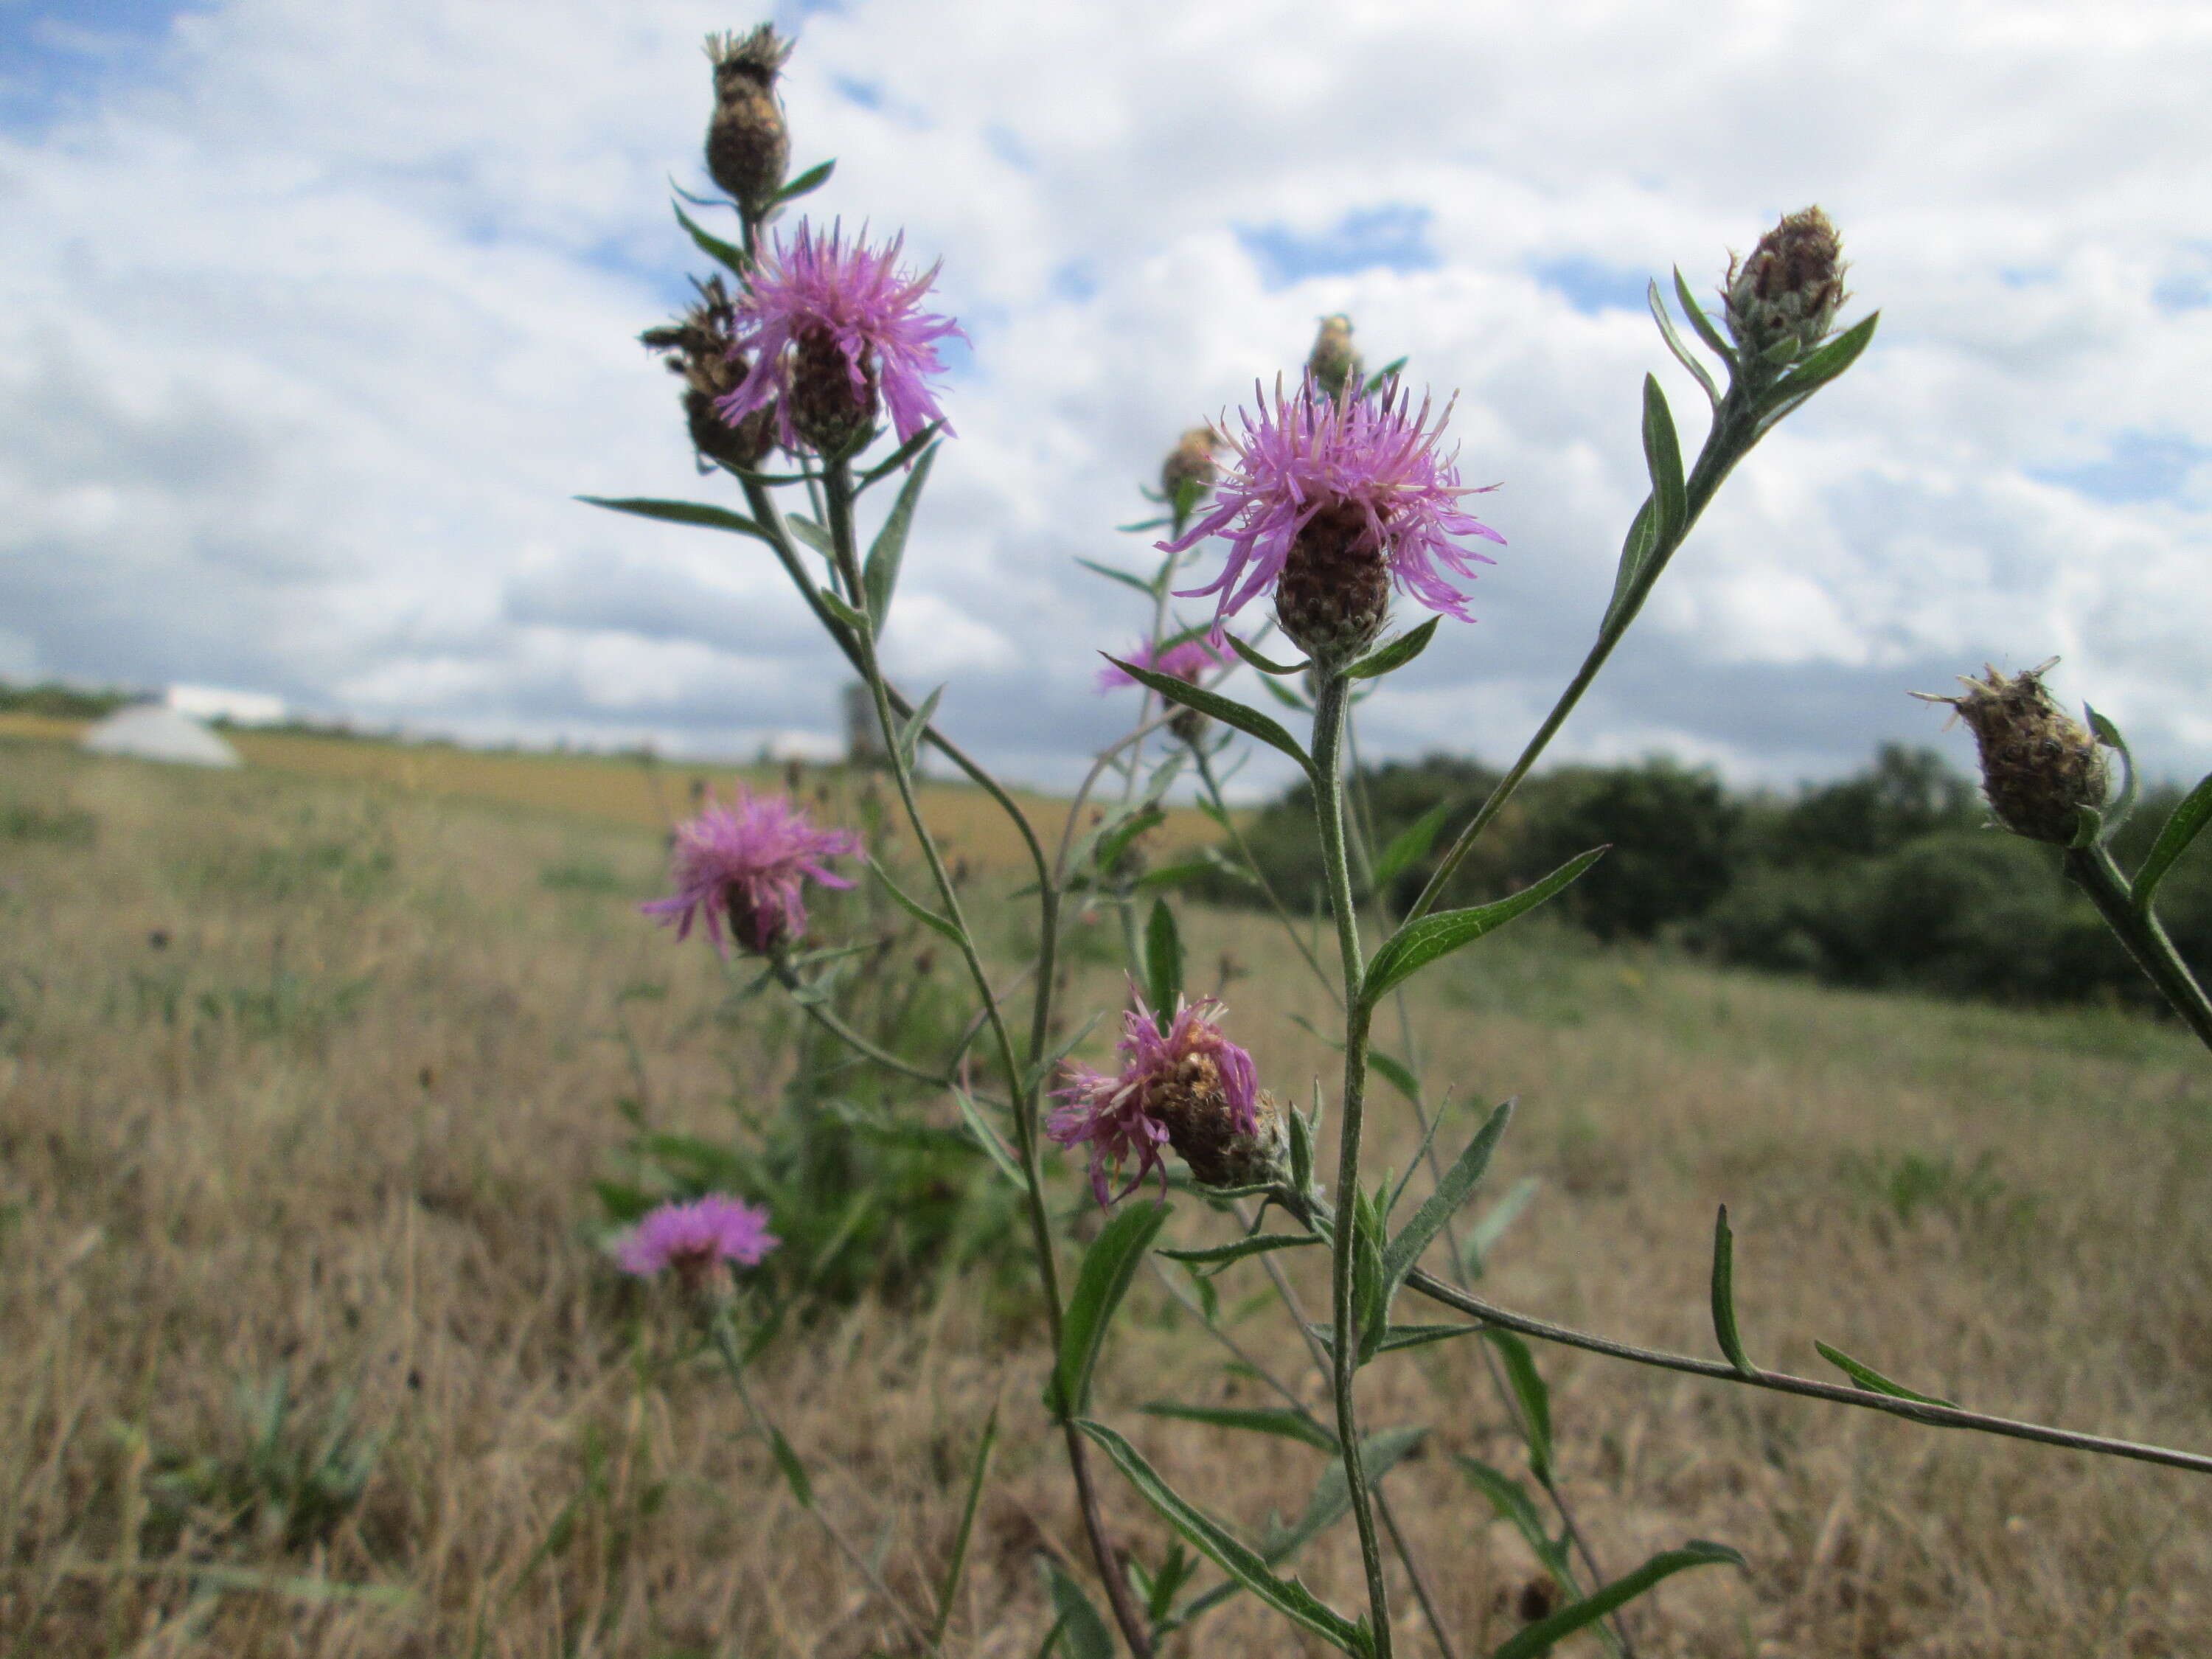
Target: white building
(217,702)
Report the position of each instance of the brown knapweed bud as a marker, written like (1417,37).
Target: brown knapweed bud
(1782,299)
(748,146)
(1204,1131)
(1335,362)
(1190,462)
(699,347)
(1334,593)
(2040,766)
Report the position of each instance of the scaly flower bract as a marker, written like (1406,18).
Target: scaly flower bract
(1166,1079)
(745,863)
(1368,464)
(817,312)
(692,1237)
(1187,660)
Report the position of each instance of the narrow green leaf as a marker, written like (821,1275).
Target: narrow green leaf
(1114,838)
(1174,875)
(879,575)
(1635,553)
(2130,786)
(1107,1268)
(1529,1387)
(1724,1288)
(1662,459)
(1229,1553)
(1396,653)
(812,179)
(1454,1190)
(1696,313)
(1873,1381)
(1163,963)
(1511,1501)
(1265,665)
(1302,1151)
(1142,525)
(1174,1572)
(1665,322)
(987,1136)
(843,612)
(1121,576)
(816,535)
(1396,1073)
(1083,1629)
(1492,1223)
(1418,944)
(1213,704)
(1285,695)
(2191,817)
(921,912)
(1410,845)
(728,255)
(1379,1453)
(1827,363)
(713,518)
(1396,367)
(1541,1637)
(1370,1286)
(1396,1337)
(794,1472)
(1220,1255)
(1185,500)
(899,457)
(1289,1424)
(949,1586)
(909,732)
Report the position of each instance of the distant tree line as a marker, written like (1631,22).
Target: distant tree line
(65,702)
(1886,879)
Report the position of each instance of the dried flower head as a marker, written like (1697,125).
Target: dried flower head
(1332,500)
(695,1238)
(1189,1088)
(1334,361)
(838,331)
(745,863)
(1189,660)
(2040,766)
(1190,463)
(1782,299)
(748,145)
(701,346)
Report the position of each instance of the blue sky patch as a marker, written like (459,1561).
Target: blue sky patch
(1591,286)
(56,57)
(1394,236)
(2139,466)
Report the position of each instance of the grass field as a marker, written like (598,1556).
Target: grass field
(307,1077)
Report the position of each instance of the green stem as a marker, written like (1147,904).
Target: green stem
(2092,870)
(810,1002)
(1344,1357)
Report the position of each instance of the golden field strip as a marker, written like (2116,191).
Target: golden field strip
(307,1074)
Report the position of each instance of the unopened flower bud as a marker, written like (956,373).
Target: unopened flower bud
(1782,299)
(1190,462)
(1335,363)
(2040,766)
(699,347)
(748,145)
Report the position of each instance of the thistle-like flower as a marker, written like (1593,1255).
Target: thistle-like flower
(701,347)
(745,863)
(1782,299)
(748,145)
(1189,661)
(2040,766)
(695,1238)
(1189,1088)
(1332,500)
(837,332)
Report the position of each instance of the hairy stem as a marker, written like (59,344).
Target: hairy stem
(2092,870)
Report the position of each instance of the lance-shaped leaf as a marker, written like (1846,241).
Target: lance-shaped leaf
(1700,321)
(1083,1633)
(1231,1553)
(812,179)
(1534,1397)
(1873,1381)
(794,1472)
(2191,815)
(1115,835)
(899,457)
(1220,1255)
(1790,392)
(1265,665)
(815,535)
(950,1585)
(1121,576)
(2130,786)
(698,513)
(879,575)
(1663,458)
(1410,845)
(1660,315)
(1636,551)
(1541,1637)
(1723,1291)
(1289,1425)
(1457,1185)
(1227,710)
(1418,944)
(1163,963)
(914,908)
(1491,1226)
(1109,1265)
(726,254)
(1370,1285)
(909,733)
(1395,654)
(987,1136)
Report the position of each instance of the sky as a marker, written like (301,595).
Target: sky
(315,318)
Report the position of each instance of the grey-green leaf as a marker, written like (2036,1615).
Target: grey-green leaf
(1535,1399)
(1663,458)
(914,908)
(2191,815)
(950,1585)
(909,734)
(1289,1425)
(698,513)
(1083,1629)
(1395,654)
(794,1472)
(1491,1226)
(1696,313)
(1418,944)
(1682,355)
(1220,1255)
(1231,1553)
(1109,1265)
(1121,576)
(1635,553)
(987,1136)
(1723,1292)
(1873,1381)
(1410,845)
(1543,1635)
(1454,1190)
(723,253)
(1227,710)
(812,179)
(2131,785)
(879,575)
(1163,962)
(1265,665)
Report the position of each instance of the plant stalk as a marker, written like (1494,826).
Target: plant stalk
(2092,870)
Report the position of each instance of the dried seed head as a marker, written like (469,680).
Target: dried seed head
(1207,1135)
(700,346)
(1334,594)
(1190,462)
(1782,299)
(748,146)
(2040,767)
(1334,362)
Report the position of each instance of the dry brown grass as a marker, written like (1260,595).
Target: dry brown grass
(341,1122)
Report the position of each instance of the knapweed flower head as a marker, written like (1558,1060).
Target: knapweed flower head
(745,863)
(693,1238)
(1189,1087)
(1189,660)
(1332,500)
(2040,766)
(1782,299)
(701,348)
(837,330)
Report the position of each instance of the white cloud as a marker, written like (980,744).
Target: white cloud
(312,319)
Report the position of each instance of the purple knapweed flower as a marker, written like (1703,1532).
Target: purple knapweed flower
(693,1237)
(744,864)
(833,329)
(1189,661)
(1189,1087)
(1332,500)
